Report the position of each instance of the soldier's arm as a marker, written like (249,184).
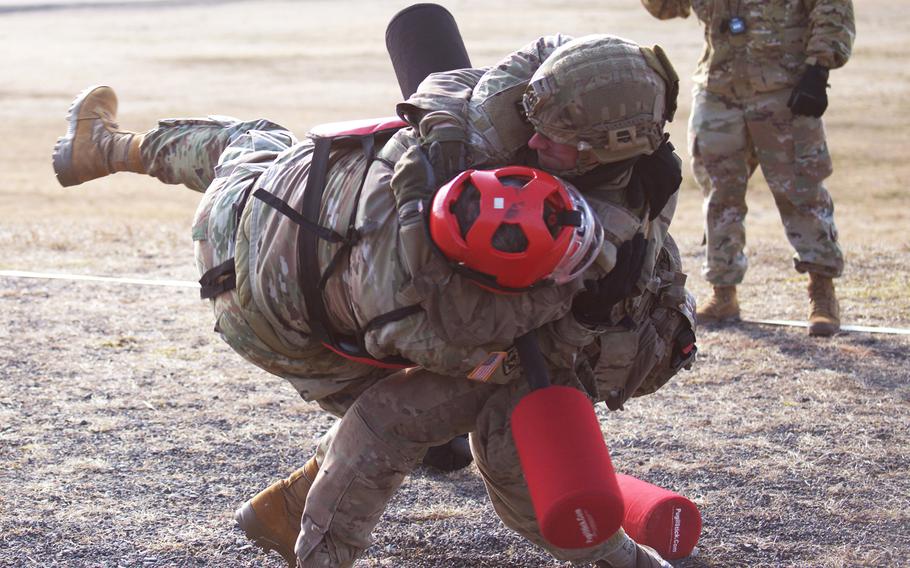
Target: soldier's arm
(831,32)
(447,92)
(666,9)
(438,110)
(460,323)
(437,114)
(516,69)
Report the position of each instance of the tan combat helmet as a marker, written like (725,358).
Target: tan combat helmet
(604,94)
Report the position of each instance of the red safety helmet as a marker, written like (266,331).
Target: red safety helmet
(514,227)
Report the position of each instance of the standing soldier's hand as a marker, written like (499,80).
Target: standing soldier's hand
(809,97)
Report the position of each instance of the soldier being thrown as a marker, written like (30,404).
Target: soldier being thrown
(759,98)
(385,298)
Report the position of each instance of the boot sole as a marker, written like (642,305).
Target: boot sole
(246,519)
(823,330)
(709,319)
(63,149)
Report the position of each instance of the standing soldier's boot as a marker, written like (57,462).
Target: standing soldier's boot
(630,554)
(824,314)
(271,519)
(723,305)
(94,146)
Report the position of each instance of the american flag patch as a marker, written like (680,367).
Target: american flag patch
(487,367)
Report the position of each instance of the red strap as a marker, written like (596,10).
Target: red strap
(357,127)
(367,360)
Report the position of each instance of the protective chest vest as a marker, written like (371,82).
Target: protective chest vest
(367,136)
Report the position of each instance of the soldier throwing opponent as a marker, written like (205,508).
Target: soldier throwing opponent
(317,259)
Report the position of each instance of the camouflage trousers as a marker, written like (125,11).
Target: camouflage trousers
(367,454)
(188,151)
(728,139)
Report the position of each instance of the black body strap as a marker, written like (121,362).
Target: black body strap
(312,280)
(307,242)
(218,280)
(223,278)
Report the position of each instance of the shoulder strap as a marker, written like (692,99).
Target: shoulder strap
(307,244)
(312,279)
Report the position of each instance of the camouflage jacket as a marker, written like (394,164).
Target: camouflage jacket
(393,266)
(486,104)
(781,38)
(387,269)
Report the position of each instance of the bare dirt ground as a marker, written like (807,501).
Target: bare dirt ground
(129,432)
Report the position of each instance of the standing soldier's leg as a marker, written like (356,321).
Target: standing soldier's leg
(795,160)
(497,460)
(721,150)
(177,151)
(378,442)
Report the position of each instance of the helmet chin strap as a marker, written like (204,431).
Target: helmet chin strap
(586,162)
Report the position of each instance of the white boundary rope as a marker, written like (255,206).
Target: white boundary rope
(141,281)
(189,284)
(860,328)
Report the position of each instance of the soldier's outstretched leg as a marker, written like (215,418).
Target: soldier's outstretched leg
(177,151)
(381,438)
(94,146)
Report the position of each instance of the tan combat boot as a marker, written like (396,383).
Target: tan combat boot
(824,313)
(723,305)
(94,146)
(271,519)
(629,554)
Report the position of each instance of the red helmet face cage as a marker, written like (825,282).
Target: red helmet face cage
(529,200)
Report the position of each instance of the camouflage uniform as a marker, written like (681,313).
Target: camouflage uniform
(264,317)
(388,428)
(484,104)
(390,419)
(740,119)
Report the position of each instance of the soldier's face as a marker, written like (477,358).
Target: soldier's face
(553,155)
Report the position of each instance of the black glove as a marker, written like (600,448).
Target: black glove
(656,177)
(809,97)
(447,152)
(593,306)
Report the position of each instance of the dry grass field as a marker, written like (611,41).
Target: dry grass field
(129,432)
